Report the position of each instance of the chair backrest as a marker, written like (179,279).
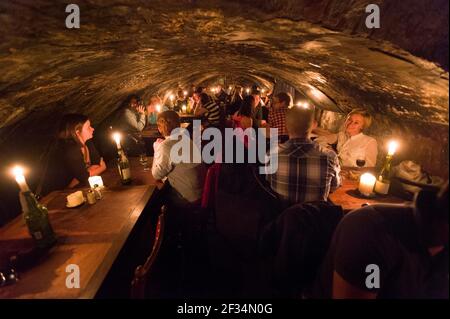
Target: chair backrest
(297,242)
(143,272)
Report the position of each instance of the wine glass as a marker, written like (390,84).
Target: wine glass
(360,161)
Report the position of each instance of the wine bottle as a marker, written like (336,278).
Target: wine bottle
(383,182)
(36,219)
(124,167)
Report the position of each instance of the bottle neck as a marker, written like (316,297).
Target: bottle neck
(27,201)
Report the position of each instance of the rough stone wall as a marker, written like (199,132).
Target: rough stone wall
(417,26)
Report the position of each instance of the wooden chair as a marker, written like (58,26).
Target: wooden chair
(143,272)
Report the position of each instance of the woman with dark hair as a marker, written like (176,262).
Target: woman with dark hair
(235,100)
(243,117)
(75,157)
(209,109)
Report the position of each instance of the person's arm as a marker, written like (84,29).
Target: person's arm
(335,170)
(344,290)
(95,170)
(246,122)
(371,153)
(200,111)
(162,165)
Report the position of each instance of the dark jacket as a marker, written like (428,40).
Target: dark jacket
(296,243)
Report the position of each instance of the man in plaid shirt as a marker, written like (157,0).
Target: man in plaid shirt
(306,171)
(277,115)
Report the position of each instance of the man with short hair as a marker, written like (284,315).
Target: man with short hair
(390,251)
(260,112)
(306,172)
(185,178)
(277,114)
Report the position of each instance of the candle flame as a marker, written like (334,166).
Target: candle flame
(158,108)
(392,147)
(17,171)
(117,137)
(185,93)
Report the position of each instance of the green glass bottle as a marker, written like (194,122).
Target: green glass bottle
(124,167)
(36,218)
(383,181)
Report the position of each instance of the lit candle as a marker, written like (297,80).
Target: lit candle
(366,184)
(185,93)
(171,97)
(247,90)
(230,88)
(20,179)
(158,108)
(116,137)
(392,147)
(183,108)
(96,180)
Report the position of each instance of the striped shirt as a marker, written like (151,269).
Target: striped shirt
(306,172)
(213,114)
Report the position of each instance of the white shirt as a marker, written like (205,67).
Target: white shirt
(186,178)
(350,149)
(359,146)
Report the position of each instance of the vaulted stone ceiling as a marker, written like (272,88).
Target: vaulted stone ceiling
(149,46)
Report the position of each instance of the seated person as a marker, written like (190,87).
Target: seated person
(260,112)
(181,100)
(277,114)
(75,157)
(408,244)
(152,109)
(186,179)
(243,117)
(208,109)
(234,101)
(131,117)
(352,143)
(306,171)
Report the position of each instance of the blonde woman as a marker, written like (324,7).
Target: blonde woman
(352,143)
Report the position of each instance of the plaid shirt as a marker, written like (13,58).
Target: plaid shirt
(306,172)
(277,119)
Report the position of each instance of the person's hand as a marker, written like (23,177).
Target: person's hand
(140,109)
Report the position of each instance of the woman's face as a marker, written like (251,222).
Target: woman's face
(354,125)
(86,133)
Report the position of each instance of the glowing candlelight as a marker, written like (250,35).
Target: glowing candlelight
(247,90)
(158,108)
(185,93)
(117,137)
(183,108)
(96,180)
(366,184)
(230,88)
(171,97)
(263,91)
(392,147)
(20,178)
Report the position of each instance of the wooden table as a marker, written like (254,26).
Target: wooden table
(347,197)
(90,236)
